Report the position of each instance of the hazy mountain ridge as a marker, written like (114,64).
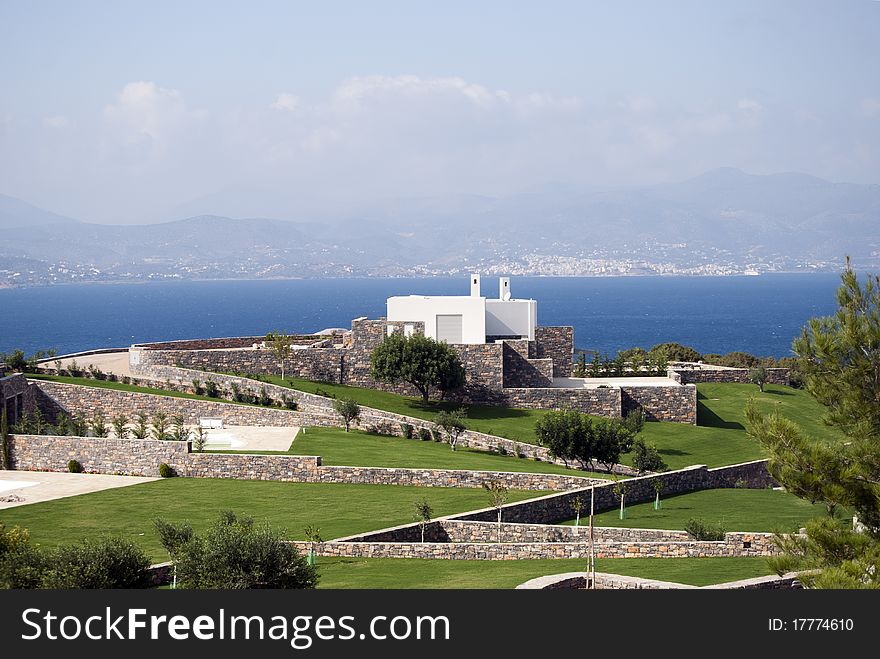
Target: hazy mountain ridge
(721,222)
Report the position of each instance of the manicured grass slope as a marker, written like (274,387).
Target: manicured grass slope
(735,509)
(426,573)
(718,439)
(361,449)
(337,509)
(511,423)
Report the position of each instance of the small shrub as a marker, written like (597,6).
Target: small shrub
(265,399)
(74,467)
(740,483)
(517,450)
(198,389)
(701,530)
(212,389)
(437,435)
(424,434)
(500,448)
(406,430)
(289,402)
(166,471)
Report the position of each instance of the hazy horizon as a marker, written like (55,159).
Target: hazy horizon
(125,114)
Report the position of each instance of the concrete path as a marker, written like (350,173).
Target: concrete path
(111,362)
(250,438)
(36,486)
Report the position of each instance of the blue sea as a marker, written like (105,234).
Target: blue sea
(759,314)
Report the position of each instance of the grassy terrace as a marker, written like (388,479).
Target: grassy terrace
(361,449)
(426,573)
(508,422)
(119,386)
(337,509)
(735,509)
(719,439)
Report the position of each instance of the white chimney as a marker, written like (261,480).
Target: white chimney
(475,284)
(504,288)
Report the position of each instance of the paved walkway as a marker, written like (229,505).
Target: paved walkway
(36,486)
(110,362)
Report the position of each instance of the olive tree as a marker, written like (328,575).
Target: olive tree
(348,409)
(417,360)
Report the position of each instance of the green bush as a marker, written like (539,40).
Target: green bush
(235,553)
(166,471)
(406,430)
(265,399)
(74,467)
(212,389)
(289,402)
(424,434)
(702,530)
(437,435)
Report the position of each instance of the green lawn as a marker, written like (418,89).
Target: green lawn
(512,423)
(735,509)
(119,386)
(361,449)
(718,439)
(337,509)
(428,573)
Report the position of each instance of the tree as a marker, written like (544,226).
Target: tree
(758,376)
(235,553)
(348,409)
(596,366)
(611,438)
(452,423)
(620,488)
(424,363)
(423,515)
(160,427)
(141,427)
(566,434)
(580,371)
(5,460)
(173,537)
(200,438)
(577,505)
(120,426)
(99,425)
(313,535)
(179,432)
(497,492)
(675,352)
(281,346)
(839,358)
(657,484)
(646,457)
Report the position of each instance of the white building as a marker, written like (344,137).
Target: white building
(468,318)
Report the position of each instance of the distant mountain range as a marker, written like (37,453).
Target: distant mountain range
(723,222)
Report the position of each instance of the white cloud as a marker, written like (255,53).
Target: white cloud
(57,121)
(749,105)
(360,89)
(145,111)
(286,102)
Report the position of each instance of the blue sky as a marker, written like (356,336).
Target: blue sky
(124,112)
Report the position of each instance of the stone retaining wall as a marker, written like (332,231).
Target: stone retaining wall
(734,544)
(555,508)
(311,409)
(459,531)
(605,581)
(134,457)
(557,343)
(736,375)
(604,401)
(73,398)
(673,403)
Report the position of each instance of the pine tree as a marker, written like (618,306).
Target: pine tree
(840,358)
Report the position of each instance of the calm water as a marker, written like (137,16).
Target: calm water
(760,315)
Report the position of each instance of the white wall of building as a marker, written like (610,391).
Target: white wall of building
(511,318)
(426,309)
